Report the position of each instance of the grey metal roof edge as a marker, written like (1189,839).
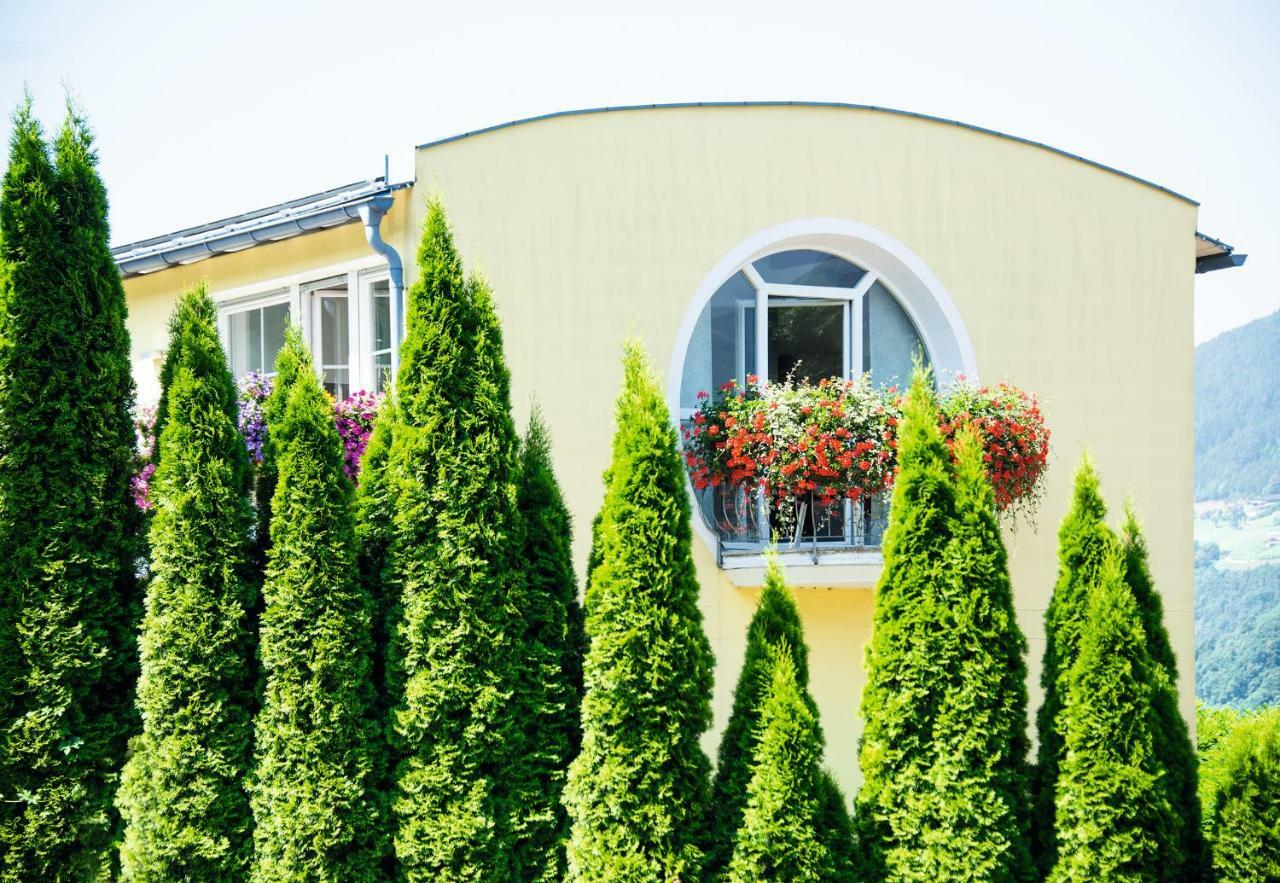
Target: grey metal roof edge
(1215,242)
(833,104)
(328,208)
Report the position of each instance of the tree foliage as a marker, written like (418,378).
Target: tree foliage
(1244,808)
(776,622)
(1237,435)
(1172,739)
(183,796)
(637,792)
(944,745)
(1114,818)
(68,590)
(1237,633)
(550,692)
(316,810)
(454,540)
(1084,542)
(778,838)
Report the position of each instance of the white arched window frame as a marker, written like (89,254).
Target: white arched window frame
(886,261)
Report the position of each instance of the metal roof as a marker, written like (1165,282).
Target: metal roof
(330,208)
(834,104)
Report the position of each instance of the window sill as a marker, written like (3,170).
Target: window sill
(836,568)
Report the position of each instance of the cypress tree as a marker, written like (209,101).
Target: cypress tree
(68,548)
(1173,741)
(456,535)
(945,702)
(1084,542)
(637,792)
(182,796)
(314,800)
(776,622)
(1244,812)
(778,838)
(550,695)
(1114,820)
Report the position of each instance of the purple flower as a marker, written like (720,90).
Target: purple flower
(354,417)
(254,389)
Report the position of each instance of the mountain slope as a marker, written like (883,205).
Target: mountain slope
(1238,412)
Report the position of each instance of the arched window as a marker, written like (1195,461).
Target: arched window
(808,301)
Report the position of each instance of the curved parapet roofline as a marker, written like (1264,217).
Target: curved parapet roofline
(829,104)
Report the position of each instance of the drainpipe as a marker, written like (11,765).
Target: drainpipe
(371,213)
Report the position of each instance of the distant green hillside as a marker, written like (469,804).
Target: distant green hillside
(1238,635)
(1238,412)
(1238,540)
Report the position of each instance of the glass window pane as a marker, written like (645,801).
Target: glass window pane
(808,267)
(244,330)
(381,371)
(806,340)
(275,319)
(722,346)
(334,341)
(337,382)
(890,339)
(381,315)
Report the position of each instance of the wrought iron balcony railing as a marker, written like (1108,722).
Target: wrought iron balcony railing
(744,523)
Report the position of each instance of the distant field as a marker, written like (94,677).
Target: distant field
(1248,533)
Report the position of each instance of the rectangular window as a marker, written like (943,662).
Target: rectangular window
(255,334)
(383,338)
(331,335)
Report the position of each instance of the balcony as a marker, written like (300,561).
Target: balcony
(843,540)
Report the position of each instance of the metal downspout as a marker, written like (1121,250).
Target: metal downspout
(371,214)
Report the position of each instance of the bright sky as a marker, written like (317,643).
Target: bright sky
(205,110)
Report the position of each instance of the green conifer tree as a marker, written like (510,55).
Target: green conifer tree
(1114,820)
(776,622)
(1084,541)
(315,806)
(778,839)
(550,693)
(637,792)
(291,362)
(68,545)
(1244,809)
(183,797)
(1173,741)
(456,536)
(945,702)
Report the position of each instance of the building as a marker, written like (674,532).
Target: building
(857,231)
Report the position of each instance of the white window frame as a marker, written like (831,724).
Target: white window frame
(366,352)
(311,295)
(295,288)
(246,305)
(917,290)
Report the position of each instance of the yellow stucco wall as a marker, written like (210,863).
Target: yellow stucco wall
(1071,281)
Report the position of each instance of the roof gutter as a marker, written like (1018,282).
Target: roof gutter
(1220,262)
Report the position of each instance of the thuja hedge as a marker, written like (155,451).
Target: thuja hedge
(68,530)
(1114,818)
(1084,542)
(182,795)
(637,791)
(775,623)
(550,691)
(317,813)
(943,746)
(779,836)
